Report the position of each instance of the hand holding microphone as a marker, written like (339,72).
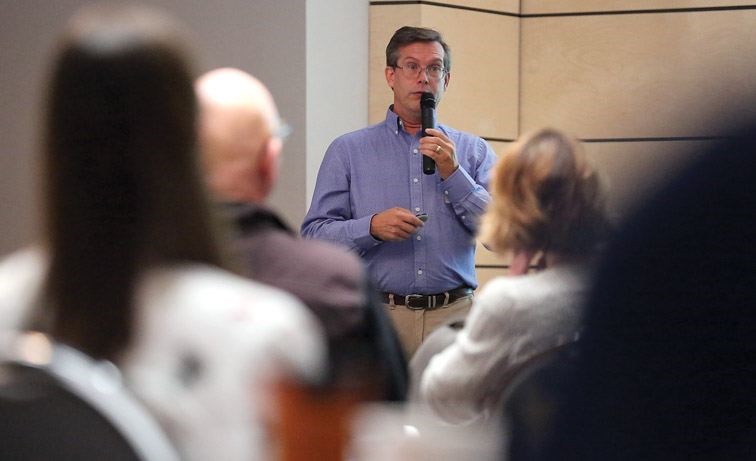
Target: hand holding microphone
(438,150)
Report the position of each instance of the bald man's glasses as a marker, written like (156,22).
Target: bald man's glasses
(283,130)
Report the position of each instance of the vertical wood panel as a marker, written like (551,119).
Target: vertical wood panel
(384,21)
(483,92)
(499,147)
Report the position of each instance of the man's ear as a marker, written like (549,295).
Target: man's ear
(390,74)
(268,166)
(447,77)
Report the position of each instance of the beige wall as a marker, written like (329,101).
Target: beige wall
(640,82)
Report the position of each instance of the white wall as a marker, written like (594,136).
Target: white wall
(337,75)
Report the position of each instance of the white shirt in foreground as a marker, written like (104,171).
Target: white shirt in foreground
(207,346)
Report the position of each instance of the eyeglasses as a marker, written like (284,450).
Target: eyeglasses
(412,70)
(283,130)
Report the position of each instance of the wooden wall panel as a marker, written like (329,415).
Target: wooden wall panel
(483,92)
(636,75)
(486,257)
(633,169)
(384,21)
(499,146)
(573,6)
(485,274)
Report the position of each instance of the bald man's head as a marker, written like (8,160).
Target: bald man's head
(237,120)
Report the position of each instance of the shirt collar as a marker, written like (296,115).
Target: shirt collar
(393,122)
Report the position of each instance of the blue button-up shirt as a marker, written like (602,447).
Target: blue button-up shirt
(380,167)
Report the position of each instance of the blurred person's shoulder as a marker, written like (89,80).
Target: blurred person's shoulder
(564,285)
(216,313)
(208,344)
(328,278)
(270,247)
(276,248)
(330,259)
(216,294)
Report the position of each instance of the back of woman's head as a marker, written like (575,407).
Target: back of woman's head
(122,191)
(545,196)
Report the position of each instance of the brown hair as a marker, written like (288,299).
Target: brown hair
(545,196)
(122,189)
(407,35)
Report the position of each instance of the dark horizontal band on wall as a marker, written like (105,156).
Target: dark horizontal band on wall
(567,13)
(492,266)
(700,9)
(497,139)
(661,138)
(445,5)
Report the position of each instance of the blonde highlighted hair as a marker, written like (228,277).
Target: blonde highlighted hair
(545,197)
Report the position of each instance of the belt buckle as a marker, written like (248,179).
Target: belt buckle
(408,298)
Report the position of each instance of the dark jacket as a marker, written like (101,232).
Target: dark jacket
(331,281)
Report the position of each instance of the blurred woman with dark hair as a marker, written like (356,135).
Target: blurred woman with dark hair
(547,209)
(129,271)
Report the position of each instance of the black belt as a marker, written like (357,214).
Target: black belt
(427,301)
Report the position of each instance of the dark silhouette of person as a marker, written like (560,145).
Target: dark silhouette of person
(667,362)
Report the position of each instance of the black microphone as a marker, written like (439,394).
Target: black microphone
(428,116)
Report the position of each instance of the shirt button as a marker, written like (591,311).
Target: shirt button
(463,216)
(414,151)
(419,272)
(417,208)
(446,192)
(419,237)
(415,180)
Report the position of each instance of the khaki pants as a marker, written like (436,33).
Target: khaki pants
(414,325)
